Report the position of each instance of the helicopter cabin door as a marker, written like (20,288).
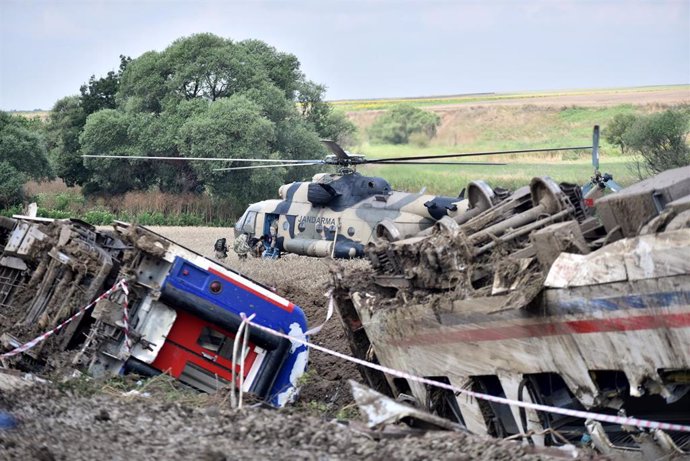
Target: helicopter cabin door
(270,230)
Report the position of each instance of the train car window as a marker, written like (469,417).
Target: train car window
(210,339)
(217,342)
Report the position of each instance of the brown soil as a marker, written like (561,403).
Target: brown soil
(73,423)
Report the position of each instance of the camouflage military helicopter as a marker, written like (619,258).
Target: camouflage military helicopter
(336,215)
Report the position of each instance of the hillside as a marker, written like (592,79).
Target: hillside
(500,122)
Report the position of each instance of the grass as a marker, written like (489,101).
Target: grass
(449,180)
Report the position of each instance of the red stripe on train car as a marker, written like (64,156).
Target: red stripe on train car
(537,330)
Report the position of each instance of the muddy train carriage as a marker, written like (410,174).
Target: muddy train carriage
(183,309)
(577,311)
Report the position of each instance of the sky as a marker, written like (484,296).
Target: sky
(359,49)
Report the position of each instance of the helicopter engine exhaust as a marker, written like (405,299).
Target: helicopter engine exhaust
(324,248)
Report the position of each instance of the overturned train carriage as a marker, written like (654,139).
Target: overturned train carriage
(183,309)
(540,299)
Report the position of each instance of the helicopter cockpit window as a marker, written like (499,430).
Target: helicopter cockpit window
(246,222)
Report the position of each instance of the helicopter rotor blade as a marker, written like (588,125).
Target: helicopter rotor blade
(335,149)
(277,165)
(203,159)
(400,162)
(475,154)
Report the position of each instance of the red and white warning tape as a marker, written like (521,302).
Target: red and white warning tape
(125,315)
(623,420)
(122,284)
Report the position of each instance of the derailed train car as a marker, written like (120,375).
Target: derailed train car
(183,310)
(539,298)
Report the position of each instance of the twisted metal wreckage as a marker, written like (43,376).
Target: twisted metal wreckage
(537,297)
(533,296)
(180,315)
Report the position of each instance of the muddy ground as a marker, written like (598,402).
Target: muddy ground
(126,418)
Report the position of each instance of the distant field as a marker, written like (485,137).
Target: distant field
(477,123)
(470,129)
(488,122)
(664,94)
(42,114)
(506,122)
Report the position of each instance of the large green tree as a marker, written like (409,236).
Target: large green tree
(100,93)
(68,117)
(65,123)
(207,96)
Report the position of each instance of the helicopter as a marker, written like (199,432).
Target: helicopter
(337,214)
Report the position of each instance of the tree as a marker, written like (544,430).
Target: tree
(65,123)
(68,117)
(399,123)
(203,96)
(11,185)
(327,123)
(100,93)
(232,127)
(23,147)
(616,129)
(660,140)
(107,131)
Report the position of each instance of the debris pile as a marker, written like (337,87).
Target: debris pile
(538,297)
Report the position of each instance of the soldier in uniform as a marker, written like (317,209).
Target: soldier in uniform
(241,245)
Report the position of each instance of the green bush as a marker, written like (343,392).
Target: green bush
(151,218)
(66,201)
(401,122)
(53,214)
(99,217)
(571,155)
(9,211)
(660,141)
